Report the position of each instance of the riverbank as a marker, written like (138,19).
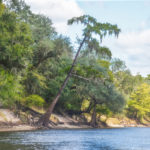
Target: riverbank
(11,122)
(8,128)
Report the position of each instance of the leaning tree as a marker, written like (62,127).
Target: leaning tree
(91,27)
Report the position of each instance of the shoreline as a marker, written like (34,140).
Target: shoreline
(9,122)
(17,128)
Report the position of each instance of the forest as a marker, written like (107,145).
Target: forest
(42,70)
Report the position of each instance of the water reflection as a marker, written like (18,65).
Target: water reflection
(101,139)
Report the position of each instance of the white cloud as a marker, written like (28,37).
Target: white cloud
(57,10)
(134,49)
(134,39)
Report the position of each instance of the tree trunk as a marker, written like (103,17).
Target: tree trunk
(44,120)
(93,119)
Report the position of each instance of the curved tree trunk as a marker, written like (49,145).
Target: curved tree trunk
(44,120)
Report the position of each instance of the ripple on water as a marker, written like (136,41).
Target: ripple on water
(92,139)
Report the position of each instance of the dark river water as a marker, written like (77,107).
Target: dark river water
(88,139)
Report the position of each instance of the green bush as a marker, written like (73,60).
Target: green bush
(10,88)
(139,104)
(34,100)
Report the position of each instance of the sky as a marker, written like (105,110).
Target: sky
(131,16)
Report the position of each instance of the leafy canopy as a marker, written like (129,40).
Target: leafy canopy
(139,105)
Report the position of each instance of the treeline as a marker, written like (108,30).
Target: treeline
(35,60)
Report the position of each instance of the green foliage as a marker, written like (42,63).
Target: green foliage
(15,41)
(124,81)
(92,26)
(139,103)
(95,84)
(103,109)
(94,48)
(35,59)
(10,88)
(117,65)
(41,28)
(147,79)
(2,7)
(34,82)
(85,104)
(116,101)
(33,100)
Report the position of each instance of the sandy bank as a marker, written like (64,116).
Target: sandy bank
(17,128)
(10,122)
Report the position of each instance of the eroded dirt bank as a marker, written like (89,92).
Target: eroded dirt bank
(11,122)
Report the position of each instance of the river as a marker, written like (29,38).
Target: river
(85,139)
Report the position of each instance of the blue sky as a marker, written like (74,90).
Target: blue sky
(128,14)
(133,17)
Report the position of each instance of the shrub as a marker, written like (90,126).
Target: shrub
(34,100)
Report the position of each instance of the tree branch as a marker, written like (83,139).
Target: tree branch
(71,112)
(80,77)
(87,79)
(36,65)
